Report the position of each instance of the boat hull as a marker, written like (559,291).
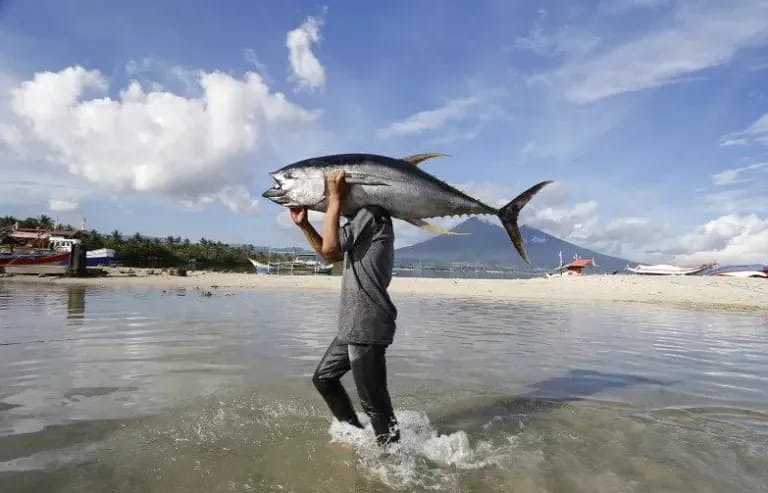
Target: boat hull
(668,270)
(100,257)
(34,259)
(744,274)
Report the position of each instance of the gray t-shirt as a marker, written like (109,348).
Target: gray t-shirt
(367,315)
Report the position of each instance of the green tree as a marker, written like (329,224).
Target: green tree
(45,222)
(7,222)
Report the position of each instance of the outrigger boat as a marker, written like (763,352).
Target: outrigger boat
(260,268)
(744,273)
(304,263)
(669,270)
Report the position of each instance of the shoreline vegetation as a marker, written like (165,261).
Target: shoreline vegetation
(697,292)
(138,250)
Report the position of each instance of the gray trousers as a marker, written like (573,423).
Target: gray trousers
(369,370)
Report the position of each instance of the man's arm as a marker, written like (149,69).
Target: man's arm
(327,245)
(301,219)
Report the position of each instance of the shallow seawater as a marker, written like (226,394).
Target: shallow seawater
(139,389)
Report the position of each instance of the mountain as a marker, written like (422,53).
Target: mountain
(489,245)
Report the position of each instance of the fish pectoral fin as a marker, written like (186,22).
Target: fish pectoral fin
(417,159)
(356,178)
(435,230)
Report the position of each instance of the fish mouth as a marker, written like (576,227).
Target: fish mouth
(276,194)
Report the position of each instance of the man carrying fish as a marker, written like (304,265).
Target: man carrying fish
(369,190)
(367,315)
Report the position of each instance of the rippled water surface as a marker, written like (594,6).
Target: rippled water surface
(148,390)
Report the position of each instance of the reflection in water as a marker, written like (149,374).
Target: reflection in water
(582,383)
(545,396)
(150,390)
(75,302)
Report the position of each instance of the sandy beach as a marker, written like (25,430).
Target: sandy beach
(690,291)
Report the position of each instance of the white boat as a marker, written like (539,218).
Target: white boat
(260,268)
(312,263)
(743,274)
(668,270)
(95,258)
(101,256)
(302,263)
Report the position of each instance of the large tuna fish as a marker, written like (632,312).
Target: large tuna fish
(397,185)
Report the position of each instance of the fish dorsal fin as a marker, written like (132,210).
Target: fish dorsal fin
(417,159)
(435,230)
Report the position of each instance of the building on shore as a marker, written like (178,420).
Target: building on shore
(575,267)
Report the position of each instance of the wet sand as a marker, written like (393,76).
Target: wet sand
(690,291)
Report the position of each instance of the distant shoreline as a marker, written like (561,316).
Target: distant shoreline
(698,292)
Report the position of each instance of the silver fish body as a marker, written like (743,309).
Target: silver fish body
(398,185)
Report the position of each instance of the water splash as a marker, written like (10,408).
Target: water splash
(423,457)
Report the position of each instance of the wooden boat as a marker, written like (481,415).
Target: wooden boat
(34,258)
(302,263)
(668,270)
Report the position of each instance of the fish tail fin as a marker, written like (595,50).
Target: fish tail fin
(509,213)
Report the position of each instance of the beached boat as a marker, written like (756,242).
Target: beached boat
(94,258)
(668,270)
(260,267)
(302,263)
(744,274)
(34,258)
(100,257)
(310,262)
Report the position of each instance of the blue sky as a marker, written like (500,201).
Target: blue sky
(163,118)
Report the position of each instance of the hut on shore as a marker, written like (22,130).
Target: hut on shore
(575,267)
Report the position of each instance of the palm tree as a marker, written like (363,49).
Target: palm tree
(45,222)
(7,221)
(116,236)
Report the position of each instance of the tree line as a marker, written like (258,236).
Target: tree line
(40,222)
(142,251)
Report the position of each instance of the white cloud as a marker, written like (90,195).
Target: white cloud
(63,205)
(34,189)
(738,175)
(696,39)
(252,58)
(752,198)
(157,75)
(566,132)
(236,198)
(623,6)
(12,138)
(563,41)
(307,71)
(730,239)
(190,148)
(424,121)
(575,222)
(757,133)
